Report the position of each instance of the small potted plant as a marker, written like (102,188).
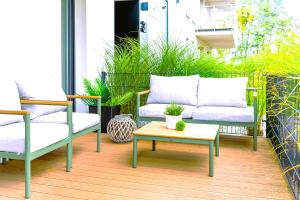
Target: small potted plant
(110,104)
(173,114)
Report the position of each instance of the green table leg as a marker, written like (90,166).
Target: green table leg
(153,145)
(211,158)
(217,145)
(134,160)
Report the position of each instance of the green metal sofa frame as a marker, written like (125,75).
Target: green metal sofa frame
(223,123)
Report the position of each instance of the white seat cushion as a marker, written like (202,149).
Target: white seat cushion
(12,137)
(176,89)
(9,101)
(157,110)
(41,89)
(81,121)
(224,114)
(222,92)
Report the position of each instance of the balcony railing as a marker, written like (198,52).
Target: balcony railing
(283,125)
(217,17)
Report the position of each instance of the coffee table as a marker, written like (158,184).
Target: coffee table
(193,133)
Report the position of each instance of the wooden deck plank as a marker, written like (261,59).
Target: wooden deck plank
(174,171)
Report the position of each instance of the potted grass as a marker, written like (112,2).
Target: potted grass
(173,114)
(110,104)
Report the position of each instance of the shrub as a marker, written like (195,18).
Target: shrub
(174,109)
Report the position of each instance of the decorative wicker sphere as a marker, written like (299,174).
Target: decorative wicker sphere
(120,128)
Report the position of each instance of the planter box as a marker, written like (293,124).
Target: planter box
(107,113)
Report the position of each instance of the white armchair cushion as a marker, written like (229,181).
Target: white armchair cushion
(12,137)
(38,89)
(9,101)
(178,89)
(224,114)
(81,121)
(157,110)
(222,92)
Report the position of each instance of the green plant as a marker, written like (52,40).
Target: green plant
(119,100)
(174,109)
(99,88)
(180,125)
(95,88)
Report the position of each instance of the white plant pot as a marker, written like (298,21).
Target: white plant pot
(172,120)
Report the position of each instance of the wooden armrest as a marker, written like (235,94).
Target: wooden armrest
(143,92)
(14,112)
(83,97)
(46,102)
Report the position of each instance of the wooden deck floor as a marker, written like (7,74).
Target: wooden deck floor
(174,171)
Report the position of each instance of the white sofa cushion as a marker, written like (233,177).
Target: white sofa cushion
(157,110)
(9,101)
(37,89)
(222,92)
(225,114)
(178,89)
(81,121)
(12,137)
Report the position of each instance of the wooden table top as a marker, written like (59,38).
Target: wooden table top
(191,131)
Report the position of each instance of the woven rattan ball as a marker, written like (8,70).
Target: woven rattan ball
(120,128)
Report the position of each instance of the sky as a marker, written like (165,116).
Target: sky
(292,7)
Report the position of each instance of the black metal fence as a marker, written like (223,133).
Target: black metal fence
(283,125)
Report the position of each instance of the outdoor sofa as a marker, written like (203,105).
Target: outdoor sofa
(219,101)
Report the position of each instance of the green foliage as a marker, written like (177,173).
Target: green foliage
(174,109)
(180,125)
(99,88)
(119,100)
(95,88)
(270,23)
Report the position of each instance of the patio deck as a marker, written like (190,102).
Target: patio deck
(174,171)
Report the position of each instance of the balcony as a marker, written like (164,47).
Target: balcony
(217,26)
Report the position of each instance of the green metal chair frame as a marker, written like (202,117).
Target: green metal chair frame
(93,128)
(223,123)
(28,156)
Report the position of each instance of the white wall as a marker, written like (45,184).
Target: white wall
(94,31)
(181,28)
(155,18)
(181,18)
(30,38)
(100,33)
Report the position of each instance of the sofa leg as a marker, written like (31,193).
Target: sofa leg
(69,157)
(99,140)
(255,138)
(27,178)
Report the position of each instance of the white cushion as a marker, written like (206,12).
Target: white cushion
(222,92)
(41,90)
(12,137)
(81,121)
(177,89)
(157,110)
(9,101)
(224,114)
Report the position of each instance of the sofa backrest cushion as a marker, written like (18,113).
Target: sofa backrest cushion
(177,89)
(222,92)
(41,89)
(9,101)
